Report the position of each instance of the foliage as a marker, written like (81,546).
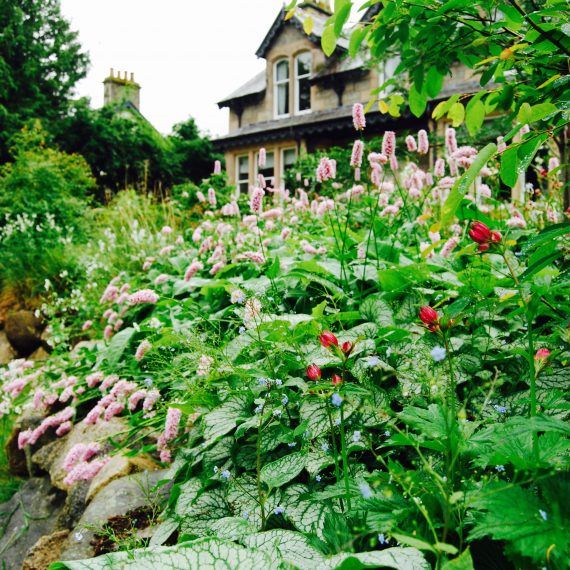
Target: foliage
(40,63)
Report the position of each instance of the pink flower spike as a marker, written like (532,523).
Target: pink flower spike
(217,167)
(142,349)
(389,143)
(411,143)
(423,142)
(357,152)
(142,297)
(358,118)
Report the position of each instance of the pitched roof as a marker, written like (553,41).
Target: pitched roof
(256,84)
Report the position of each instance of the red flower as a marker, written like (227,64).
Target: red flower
(336,380)
(327,338)
(313,372)
(346,347)
(480,233)
(496,237)
(429,317)
(542,355)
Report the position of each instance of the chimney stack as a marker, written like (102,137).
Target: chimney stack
(120,89)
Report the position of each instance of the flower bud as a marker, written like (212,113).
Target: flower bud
(428,315)
(336,380)
(480,233)
(313,372)
(542,355)
(346,347)
(327,338)
(496,237)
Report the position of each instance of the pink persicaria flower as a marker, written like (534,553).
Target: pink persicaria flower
(354,192)
(308,248)
(255,256)
(393,163)
(136,398)
(144,296)
(94,378)
(261,158)
(200,196)
(85,471)
(173,416)
(108,332)
(450,140)
(217,167)
(411,143)
(542,355)
(439,168)
(261,181)
(93,416)
(272,214)
(24,438)
(326,169)
(166,250)
(524,130)
(109,381)
(217,267)
(423,142)
(389,143)
(118,325)
(358,118)
(148,263)
(142,349)
(501,145)
(204,365)
(63,429)
(553,163)
(152,397)
(193,268)
(357,152)
(162,278)
(256,200)
(87,325)
(114,409)
(285,233)
(449,246)
(212,197)
(166,230)
(109,295)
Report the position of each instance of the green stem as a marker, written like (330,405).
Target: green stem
(532,379)
(260,493)
(335,449)
(344,458)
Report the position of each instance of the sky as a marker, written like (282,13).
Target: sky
(186,54)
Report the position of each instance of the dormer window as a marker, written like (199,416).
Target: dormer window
(302,85)
(281,86)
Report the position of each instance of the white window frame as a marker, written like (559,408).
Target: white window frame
(240,181)
(297,78)
(276,85)
(283,151)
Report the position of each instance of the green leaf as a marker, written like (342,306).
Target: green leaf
(516,159)
(328,40)
(225,418)
(474,117)
(308,25)
(313,410)
(462,562)
(193,555)
(456,114)
(341,18)
(434,82)
(461,187)
(413,541)
(509,166)
(377,310)
(119,343)
(356,39)
(418,101)
(396,558)
(282,470)
(541,111)
(307,516)
(273,270)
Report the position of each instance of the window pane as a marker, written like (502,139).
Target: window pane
(243,167)
(304,94)
(283,99)
(269,170)
(289,157)
(282,71)
(303,64)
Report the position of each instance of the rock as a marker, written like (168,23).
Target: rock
(117,498)
(23,330)
(7,353)
(46,550)
(39,354)
(50,457)
(30,514)
(74,506)
(16,457)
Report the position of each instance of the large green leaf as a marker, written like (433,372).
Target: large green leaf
(195,555)
(119,343)
(376,309)
(225,418)
(328,40)
(282,470)
(461,187)
(397,558)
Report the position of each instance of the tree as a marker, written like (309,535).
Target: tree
(519,49)
(40,63)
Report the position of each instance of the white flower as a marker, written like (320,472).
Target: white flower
(438,353)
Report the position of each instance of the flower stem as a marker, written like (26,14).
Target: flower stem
(335,449)
(344,458)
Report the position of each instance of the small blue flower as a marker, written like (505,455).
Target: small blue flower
(241,330)
(259,409)
(216,469)
(318,478)
(226,474)
(337,422)
(277,413)
(293,444)
(373,361)
(245,515)
(336,400)
(356,437)
(438,353)
(500,409)
(382,539)
(270,299)
(284,400)
(148,382)
(262,381)
(543,514)
(278,382)
(279,510)
(325,447)
(365,490)
(500,468)
(387,433)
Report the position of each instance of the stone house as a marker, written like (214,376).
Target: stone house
(303,100)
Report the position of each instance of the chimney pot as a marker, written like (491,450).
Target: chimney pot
(132,76)
(112,73)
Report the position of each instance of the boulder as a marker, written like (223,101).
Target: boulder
(29,419)
(23,330)
(46,550)
(7,353)
(117,498)
(39,354)
(30,514)
(50,457)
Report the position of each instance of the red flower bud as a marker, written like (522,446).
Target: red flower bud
(542,354)
(336,380)
(428,316)
(484,247)
(479,232)
(313,372)
(327,338)
(346,347)
(496,237)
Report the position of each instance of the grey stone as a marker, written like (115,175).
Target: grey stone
(30,514)
(7,353)
(46,550)
(117,498)
(23,330)
(39,354)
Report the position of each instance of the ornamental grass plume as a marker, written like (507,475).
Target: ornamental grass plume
(358,118)
(144,296)
(357,153)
